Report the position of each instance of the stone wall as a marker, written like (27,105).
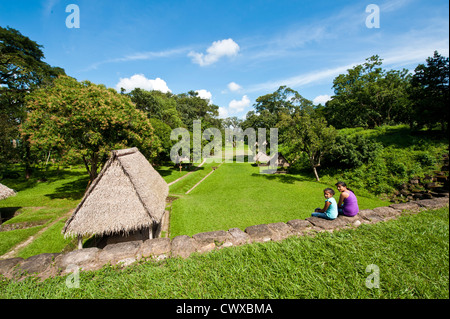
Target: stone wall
(126,253)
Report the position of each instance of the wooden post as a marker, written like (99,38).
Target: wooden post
(80,242)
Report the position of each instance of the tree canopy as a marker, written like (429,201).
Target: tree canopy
(368,96)
(429,92)
(86,120)
(22,70)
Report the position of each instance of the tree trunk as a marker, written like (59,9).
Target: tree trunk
(28,169)
(92,169)
(315,173)
(314,167)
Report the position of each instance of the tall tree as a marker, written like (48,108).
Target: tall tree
(368,96)
(21,70)
(429,92)
(157,105)
(192,107)
(307,131)
(86,120)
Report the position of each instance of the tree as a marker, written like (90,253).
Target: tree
(369,96)
(192,107)
(270,107)
(22,70)
(429,92)
(307,131)
(157,105)
(86,120)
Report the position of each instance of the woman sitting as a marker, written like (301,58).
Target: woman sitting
(348,203)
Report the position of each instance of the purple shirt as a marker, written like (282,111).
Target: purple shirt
(350,205)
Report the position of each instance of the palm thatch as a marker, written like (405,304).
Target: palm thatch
(281,160)
(261,157)
(128,195)
(6,192)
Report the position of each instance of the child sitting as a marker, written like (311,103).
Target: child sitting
(330,210)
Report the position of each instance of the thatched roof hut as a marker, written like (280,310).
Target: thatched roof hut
(282,161)
(261,157)
(128,195)
(6,192)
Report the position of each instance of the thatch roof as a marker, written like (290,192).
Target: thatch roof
(128,194)
(261,157)
(6,192)
(281,160)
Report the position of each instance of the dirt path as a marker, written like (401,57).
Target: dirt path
(13,252)
(202,179)
(179,179)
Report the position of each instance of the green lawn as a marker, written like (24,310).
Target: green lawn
(236,195)
(411,253)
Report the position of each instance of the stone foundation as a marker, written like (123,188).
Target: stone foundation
(125,253)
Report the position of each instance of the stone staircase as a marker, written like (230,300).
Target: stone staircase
(427,187)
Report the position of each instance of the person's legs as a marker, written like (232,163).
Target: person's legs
(321,215)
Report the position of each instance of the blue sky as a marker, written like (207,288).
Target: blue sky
(230,51)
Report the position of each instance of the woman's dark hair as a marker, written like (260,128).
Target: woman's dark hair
(329,190)
(343,184)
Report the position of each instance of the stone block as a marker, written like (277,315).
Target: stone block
(409,206)
(280,231)
(85,258)
(327,224)
(354,221)
(6,265)
(259,233)
(157,247)
(218,237)
(433,203)
(386,212)
(369,216)
(300,226)
(238,237)
(38,263)
(183,246)
(115,252)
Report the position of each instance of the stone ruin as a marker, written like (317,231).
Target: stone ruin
(125,253)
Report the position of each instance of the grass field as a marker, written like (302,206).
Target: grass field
(236,195)
(411,253)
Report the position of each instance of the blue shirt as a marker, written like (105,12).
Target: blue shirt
(332,211)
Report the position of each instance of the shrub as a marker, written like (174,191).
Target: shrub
(352,151)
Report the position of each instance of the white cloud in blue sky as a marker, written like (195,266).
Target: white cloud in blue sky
(218,49)
(230,51)
(140,81)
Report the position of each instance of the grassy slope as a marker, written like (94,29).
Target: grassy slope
(236,195)
(412,254)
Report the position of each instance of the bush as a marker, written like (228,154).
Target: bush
(425,159)
(352,151)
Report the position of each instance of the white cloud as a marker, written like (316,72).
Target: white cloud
(223,112)
(238,106)
(217,50)
(233,86)
(206,95)
(321,99)
(302,79)
(140,81)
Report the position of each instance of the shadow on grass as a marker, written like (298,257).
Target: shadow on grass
(40,176)
(404,137)
(171,170)
(7,213)
(283,178)
(73,190)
